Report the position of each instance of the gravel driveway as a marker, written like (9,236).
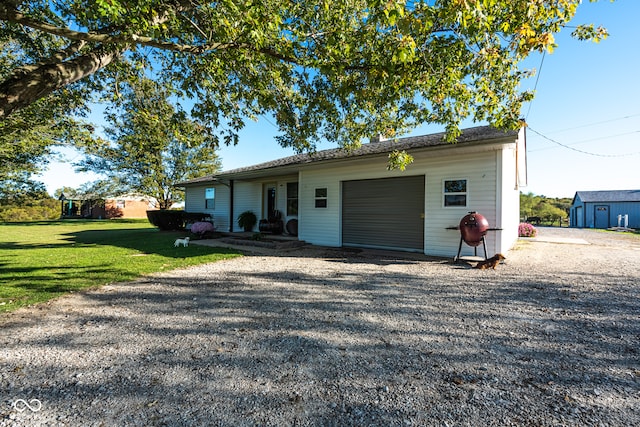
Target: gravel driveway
(331,337)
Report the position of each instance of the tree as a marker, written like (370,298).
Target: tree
(22,199)
(551,213)
(338,70)
(544,208)
(18,185)
(28,135)
(528,203)
(151,145)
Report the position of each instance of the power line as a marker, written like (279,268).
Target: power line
(597,123)
(582,151)
(535,86)
(584,141)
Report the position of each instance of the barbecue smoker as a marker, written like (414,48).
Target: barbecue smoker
(473,227)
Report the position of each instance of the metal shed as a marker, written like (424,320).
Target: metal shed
(605,209)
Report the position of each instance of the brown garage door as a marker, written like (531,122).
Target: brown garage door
(384,213)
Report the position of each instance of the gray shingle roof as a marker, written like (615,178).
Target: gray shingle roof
(609,196)
(481,134)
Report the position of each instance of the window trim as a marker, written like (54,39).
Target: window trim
(455,193)
(291,199)
(321,202)
(213,199)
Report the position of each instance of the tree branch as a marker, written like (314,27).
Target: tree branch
(133,39)
(55,58)
(37,81)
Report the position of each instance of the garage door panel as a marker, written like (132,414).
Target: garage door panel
(384,212)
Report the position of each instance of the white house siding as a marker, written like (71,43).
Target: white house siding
(480,171)
(195,202)
(247,197)
(509,199)
(194,198)
(321,226)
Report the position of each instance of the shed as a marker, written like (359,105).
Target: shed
(605,209)
(337,198)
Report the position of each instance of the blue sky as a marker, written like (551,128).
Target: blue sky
(584,122)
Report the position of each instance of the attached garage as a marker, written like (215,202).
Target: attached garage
(384,213)
(350,198)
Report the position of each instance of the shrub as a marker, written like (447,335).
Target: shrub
(171,219)
(202,228)
(194,216)
(167,220)
(527,230)
(29,210)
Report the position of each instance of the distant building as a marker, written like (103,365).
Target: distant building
(605,209)
(124,206)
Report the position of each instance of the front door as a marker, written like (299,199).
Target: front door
(269,206)
(602,216)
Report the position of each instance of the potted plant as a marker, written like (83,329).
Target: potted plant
(247,220)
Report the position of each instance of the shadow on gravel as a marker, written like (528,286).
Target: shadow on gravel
(376,341)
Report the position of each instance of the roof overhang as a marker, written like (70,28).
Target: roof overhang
(472,140)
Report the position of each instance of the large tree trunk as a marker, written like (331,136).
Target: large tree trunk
(32,83)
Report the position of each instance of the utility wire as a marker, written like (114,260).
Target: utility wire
(584,141)
(597,123)
(535,86)
(582,151)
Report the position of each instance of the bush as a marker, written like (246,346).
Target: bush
(29,210)
(202,228)
(194,217)
(167,220)
(171,219)
(527,230)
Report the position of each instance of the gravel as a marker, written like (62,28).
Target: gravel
(333,337)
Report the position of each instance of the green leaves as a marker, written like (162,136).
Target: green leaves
(109,9)
(590,32)
(399,160)
(335,70)
(152,145)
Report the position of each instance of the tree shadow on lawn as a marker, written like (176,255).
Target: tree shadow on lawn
(146,241)
(33,273)
(136,239)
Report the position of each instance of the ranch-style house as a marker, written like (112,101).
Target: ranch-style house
(339,199)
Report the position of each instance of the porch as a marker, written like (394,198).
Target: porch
(250,240)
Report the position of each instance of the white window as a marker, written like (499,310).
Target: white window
(454,193)
(209,198)
(292,198)
(321,197)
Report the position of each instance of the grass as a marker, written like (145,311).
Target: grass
(44,260)
(635,234)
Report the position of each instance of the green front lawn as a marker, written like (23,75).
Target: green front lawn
(43,260)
